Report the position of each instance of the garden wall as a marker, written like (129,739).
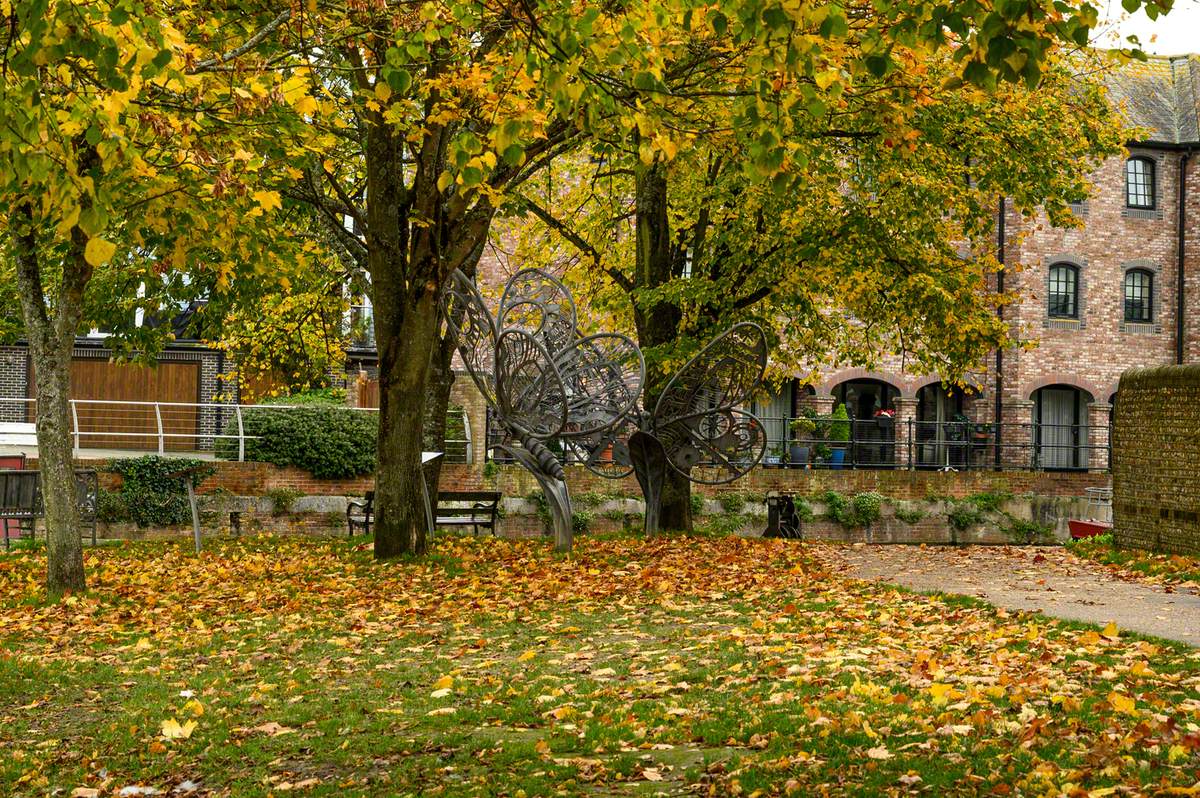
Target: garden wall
(920,506)
(1156,460)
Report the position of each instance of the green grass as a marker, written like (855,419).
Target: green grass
(495,669)
(1169,567)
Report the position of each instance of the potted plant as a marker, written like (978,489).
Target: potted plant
(839,435)
(802,438)
(775,455)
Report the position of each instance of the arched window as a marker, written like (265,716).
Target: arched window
(1063,291)
(1139,183)
(1139,296)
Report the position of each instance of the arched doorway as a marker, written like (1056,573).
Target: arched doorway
(941,431)
(1060,427)
(871,405)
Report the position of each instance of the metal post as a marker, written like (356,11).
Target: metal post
(241,434)
(158,417)
(195,512)
(911,432)
(75,420)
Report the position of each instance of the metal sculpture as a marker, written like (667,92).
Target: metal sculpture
(697,421)
(544,381)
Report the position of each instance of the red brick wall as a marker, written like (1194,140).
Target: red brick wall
(1093,355)
(256,479)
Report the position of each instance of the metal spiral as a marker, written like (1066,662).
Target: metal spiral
(545,458)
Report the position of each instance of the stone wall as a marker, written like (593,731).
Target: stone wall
(1156,460)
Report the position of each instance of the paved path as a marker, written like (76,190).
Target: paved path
(1051,580)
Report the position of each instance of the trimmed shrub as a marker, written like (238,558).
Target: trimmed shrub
(329,441)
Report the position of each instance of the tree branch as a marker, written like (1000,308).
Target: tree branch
(211,64)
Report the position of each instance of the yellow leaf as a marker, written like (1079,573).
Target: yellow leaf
(269,200)
(383,91)
(528,655)
(195,707)
(305,105)
(1110,631)
(443,683)
(1123,703)
(98,252)
(173,730)
(941,693)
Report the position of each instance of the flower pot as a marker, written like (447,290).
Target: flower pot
(837,459)
(798,455)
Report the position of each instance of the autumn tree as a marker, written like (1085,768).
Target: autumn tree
(427,114)
(131,143)
(831,170)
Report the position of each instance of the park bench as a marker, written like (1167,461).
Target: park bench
(18,433)
(477,509)
(21,501)
(358,514)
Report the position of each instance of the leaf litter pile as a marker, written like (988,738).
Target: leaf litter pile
(680,666)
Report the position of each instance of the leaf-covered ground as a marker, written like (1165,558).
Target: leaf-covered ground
(705,665)
(1165,568)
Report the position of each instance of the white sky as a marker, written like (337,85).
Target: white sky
(1174,34)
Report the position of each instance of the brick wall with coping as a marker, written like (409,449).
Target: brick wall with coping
(256,479)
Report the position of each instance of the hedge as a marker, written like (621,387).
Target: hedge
(329,441)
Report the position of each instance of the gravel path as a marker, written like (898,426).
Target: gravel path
(1050,580)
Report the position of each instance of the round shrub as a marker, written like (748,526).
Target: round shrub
(328,441)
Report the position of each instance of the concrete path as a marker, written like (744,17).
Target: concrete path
(1050,580)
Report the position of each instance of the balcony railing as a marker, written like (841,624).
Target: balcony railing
(884,443)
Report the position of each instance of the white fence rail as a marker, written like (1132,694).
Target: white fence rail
(171,427)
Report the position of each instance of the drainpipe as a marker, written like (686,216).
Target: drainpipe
(999,350)
(1180,236)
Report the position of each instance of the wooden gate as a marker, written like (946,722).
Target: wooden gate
(133,426)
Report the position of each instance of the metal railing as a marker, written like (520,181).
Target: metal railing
(884,443)
(947,445)
(168,427)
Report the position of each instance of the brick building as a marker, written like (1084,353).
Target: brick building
(1098,299)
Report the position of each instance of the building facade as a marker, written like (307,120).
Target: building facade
(1121,291)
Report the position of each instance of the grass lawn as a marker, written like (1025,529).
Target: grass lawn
(681,666)
(1164,567)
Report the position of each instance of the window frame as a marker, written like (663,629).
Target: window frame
(1147,295)
(1150,184)
(1073,270)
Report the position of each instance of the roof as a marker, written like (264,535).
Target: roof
(1160,95)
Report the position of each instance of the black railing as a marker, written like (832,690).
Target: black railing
(948,445)
(884,443)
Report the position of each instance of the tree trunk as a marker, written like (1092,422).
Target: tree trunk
(404,293)
(676,511)
(400,525)
(50,329)
(64,547)
(658,324)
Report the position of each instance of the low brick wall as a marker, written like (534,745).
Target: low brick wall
(1047,498)
(513,480)
(257,479)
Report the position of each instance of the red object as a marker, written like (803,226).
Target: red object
(1088,529)
(8,527)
